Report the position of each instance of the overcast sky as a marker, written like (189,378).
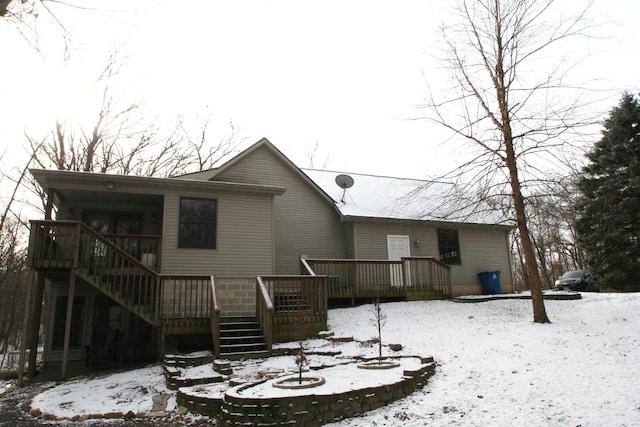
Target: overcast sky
(346,75)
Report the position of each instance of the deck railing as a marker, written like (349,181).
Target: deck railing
(293,295)
(429,274)
(66,245)
(264,312)
(146,248)
(354,278)
(185,296)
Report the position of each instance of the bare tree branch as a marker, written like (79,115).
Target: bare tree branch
(514,113)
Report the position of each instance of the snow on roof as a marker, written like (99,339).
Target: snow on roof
(401,198)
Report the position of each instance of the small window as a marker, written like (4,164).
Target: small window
(60,320)
(449,246)
(197,228)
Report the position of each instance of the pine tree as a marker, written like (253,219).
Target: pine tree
(608,222)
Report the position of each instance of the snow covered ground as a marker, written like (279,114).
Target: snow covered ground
(495,367)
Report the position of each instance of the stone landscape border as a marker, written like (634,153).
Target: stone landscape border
(232,409)
(315,410)
(550,295)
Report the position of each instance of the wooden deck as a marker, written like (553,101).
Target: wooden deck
(410,278)
(125,269)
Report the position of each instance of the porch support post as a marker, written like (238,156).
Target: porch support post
(356,283)
(49,206)
(25,333)
(35,317)
(162,344)
(67,325)
(33,311)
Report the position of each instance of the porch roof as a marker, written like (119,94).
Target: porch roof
(71,185)
(383,197)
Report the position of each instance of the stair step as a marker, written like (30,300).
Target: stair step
(239,325)
(241,337)
(236,349)
(241,345)
(231,333)
(256,335)
(246,355)
(242,340)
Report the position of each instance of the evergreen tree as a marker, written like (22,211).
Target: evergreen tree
(608,222)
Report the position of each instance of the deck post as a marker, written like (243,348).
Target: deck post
(356,283)
(25,333)
(67,325)
(35,315)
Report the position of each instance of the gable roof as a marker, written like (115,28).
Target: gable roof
(212,174)
(385,197)
(382,197)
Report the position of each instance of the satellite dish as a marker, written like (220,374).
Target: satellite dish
(344,181)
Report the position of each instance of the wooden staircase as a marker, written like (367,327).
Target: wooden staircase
(179,303)
(241,338)
(139,305)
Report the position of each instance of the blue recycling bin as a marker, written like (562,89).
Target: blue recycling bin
(490,281)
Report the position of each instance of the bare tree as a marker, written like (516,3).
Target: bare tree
(122,138)
(504,104)
(201,152)
(25,16)
(13,269)
(301,318)
(313,157)
(91,146)
(379,320)
(552,214)
(10,8)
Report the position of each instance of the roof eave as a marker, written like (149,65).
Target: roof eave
(363,218)
(152,185)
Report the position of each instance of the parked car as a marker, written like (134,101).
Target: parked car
(578,280)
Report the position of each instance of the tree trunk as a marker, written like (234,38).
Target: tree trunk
(539,311)
(502,96)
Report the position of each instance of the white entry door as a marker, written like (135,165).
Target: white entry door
(397,247)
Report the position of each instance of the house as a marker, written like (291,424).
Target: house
(135,267)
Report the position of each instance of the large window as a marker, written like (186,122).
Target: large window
(60,319)
(449,246)
(197,223)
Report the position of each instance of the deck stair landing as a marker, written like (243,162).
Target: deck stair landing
(241,337)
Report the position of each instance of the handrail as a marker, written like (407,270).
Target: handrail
(293,294)
(264,293)
(430,258)
(215,317)
(306,268)
(113,246)
(264,312)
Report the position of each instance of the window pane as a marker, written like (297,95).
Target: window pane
(197,223)
(449,246)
